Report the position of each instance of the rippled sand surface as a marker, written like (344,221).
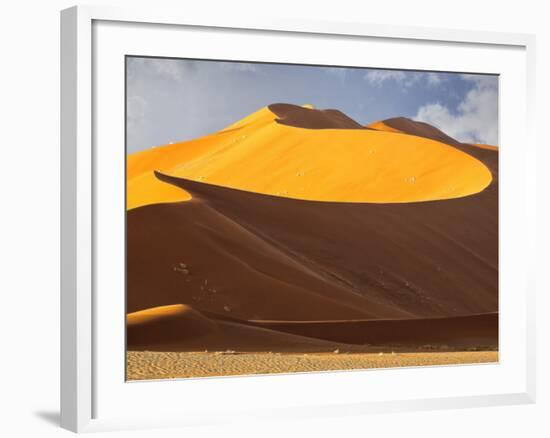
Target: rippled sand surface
(166,365)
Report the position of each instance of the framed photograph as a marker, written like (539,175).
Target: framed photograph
(266,217)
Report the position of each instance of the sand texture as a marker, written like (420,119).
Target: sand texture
(167,365)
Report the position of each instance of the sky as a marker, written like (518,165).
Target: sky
(172,100)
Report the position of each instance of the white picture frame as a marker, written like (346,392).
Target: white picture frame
(88,394)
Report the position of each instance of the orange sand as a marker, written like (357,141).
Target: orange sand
(381,126)
(258,154)
(485,146)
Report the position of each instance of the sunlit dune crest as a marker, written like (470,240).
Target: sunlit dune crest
(155,314)
(175,322)
(485,146)
(267,153)
(381,126)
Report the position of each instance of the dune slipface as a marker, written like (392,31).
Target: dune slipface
(266,257)
(299,230)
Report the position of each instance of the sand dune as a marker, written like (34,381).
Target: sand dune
(298,230)
(182,328)
(311,118)
(382,126)
(302,153)
(485,146)
(178,341)
(456,332)
(407,126)
(265,257)
(167,325)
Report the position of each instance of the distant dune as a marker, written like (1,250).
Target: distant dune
(420,129)
(311,118)
(412,127)
(303,153)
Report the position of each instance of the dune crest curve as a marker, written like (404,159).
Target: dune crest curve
(302,153)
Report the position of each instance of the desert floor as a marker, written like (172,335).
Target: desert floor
(145,365)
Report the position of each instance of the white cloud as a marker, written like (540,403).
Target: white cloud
(378,77)
(475,119)
(405,79)
(433,78)
(339,72)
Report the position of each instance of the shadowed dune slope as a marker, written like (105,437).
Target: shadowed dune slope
(301,153)
(260,257)
(412,127)
(460,331)
(182,328)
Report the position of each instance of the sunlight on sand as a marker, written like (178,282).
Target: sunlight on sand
(260,155)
